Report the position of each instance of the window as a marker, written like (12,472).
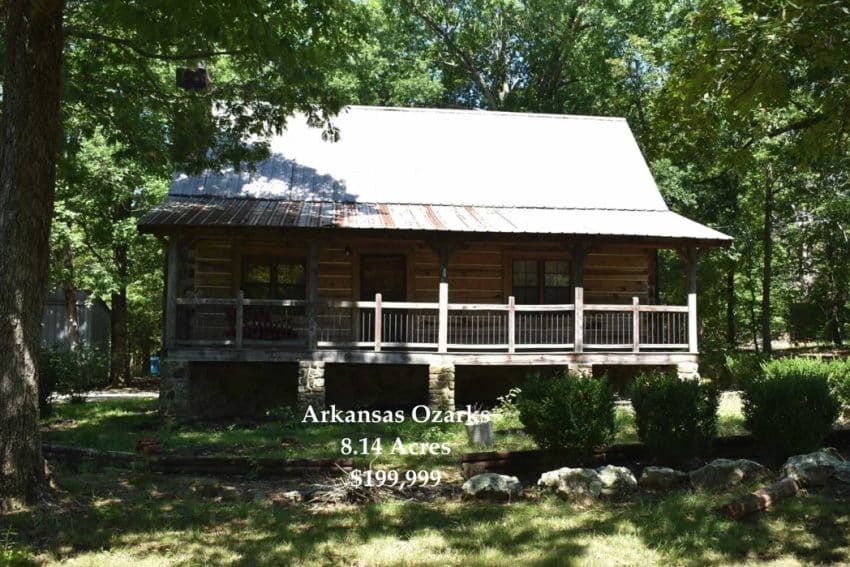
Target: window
(273,278)
(541,281)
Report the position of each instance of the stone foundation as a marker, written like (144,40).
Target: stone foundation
(583,369)
(311,385)
(174,384)
(441,387)
(688,370)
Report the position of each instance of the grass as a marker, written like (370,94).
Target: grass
(121,517)
(118,425)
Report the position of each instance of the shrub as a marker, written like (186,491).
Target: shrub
(675,418)
(790,408)
(568,411)
(73,373)
(744,367)
(839,380)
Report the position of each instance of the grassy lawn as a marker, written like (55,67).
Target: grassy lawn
(118,424)
(122,517)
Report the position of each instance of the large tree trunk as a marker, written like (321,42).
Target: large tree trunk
(767,275)
(120,367)
(29,137)
(69,289)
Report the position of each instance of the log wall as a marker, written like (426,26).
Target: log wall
(479,272)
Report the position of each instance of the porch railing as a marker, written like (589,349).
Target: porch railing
(432,327)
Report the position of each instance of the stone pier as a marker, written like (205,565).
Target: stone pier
(441,386)
(311,385)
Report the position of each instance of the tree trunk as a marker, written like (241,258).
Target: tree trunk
(767,275)
(29,137)
(731,327)
(71,320)
(120,367)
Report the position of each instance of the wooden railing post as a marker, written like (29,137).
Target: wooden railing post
(240,317)
(578,335)
(378,321)
(635,324)
(171,295)
(693,346)
(313,298)
(511,324)
(578,299)
(443,319)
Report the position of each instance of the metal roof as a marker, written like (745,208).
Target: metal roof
(449,157)
(275,213)
(440,170)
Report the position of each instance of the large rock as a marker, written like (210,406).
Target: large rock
(725,473)
(662,478)
(816,469)
(616,481)
(572,483)
(492,486)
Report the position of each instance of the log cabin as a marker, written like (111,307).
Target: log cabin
(417,258)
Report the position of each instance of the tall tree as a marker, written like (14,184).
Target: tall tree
(32,74)
(272,59)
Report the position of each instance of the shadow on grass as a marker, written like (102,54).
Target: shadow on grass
(115,515)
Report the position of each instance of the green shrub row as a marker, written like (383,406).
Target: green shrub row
(71,373)
(790,406)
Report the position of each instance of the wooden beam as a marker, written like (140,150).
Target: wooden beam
(443,319)
(313,296)
(171,295)
(693,345)
(578,296)
(511,324)
(240,317)
(635,324)
(378,322)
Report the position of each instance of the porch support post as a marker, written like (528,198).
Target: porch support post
(313,297)
(441,386)
(443,313)
(692,300)
(635,324)
(578,297)
(240,318)
(171,295)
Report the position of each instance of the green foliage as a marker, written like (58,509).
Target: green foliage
(568,411)
(744,367)
(675,418)
(839,380)
(72,373)
(790,408)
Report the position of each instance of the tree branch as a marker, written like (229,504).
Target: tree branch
(128,45)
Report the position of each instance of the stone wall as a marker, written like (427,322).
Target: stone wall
(311,384)
(441,386)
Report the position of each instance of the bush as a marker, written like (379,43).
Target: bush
(72,373)
(675,418)
(839,380)
(744,367)
(790,408)
(568,411)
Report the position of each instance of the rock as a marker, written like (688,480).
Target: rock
(815,469)
(725,473)
(661,478)
(286,498)
(842,472)
(572,483)
(492,486)
(616,481)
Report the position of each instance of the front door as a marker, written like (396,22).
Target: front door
(387,275)
(384,274)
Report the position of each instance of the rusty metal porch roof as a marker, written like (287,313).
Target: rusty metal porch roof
(275,213)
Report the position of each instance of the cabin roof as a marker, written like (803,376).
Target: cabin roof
(429,169)
(274,213)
